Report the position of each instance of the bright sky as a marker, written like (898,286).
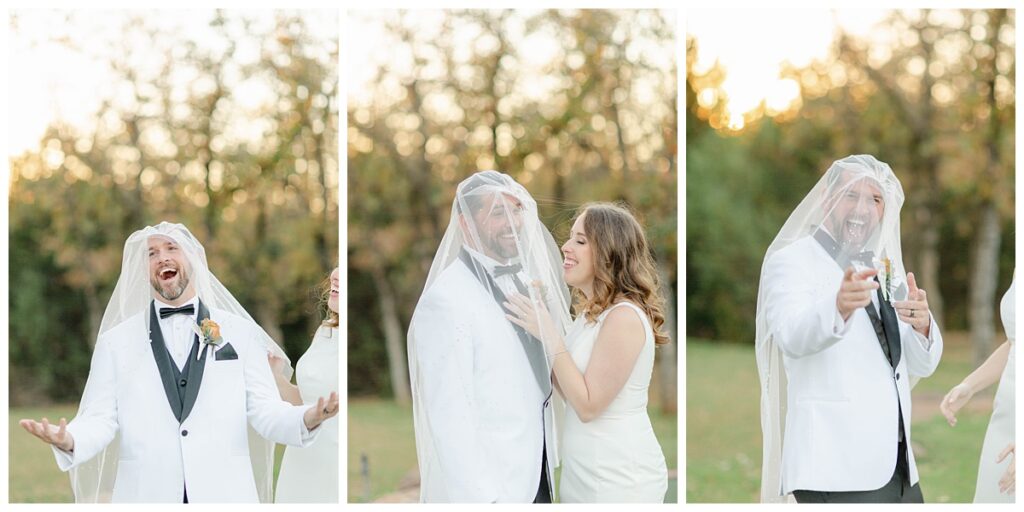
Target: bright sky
(753,46)
(51,80)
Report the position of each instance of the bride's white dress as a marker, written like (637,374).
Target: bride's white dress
(310,475)
(615,458)
(1001,426)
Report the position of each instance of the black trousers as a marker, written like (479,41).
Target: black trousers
(543,490)
(898,490)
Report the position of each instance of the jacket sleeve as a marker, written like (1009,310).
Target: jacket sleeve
(269,415)
(444,358)
(801,317)
(95,425)
(923,353)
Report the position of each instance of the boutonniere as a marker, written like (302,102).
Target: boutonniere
(885,278)
(208,332)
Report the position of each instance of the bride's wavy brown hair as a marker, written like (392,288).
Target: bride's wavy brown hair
(323,293)
(623,265)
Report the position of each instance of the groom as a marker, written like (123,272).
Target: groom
(178,394)
(481,386)
(848,354)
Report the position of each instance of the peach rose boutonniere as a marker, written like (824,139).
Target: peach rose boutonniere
(209,333)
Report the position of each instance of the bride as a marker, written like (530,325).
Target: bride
(603,366)
(310,475)
(997,467)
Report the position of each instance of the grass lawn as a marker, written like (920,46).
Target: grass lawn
(381,431)
(33,476)
(723,430)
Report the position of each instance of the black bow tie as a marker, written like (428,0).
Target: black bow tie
(844,259)
(502,270)
(185,310)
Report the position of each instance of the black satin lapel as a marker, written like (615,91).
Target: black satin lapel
(163,362)
(532,346)
(195,370)
(891,326)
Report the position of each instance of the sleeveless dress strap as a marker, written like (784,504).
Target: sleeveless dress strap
(648,330)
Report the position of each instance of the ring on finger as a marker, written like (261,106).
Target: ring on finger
(911,313)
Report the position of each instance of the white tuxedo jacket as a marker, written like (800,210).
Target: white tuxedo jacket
(207,453)
(843,396)
(487,418)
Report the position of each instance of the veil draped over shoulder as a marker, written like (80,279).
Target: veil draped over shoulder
(494,231)
(93,480)
(841,208)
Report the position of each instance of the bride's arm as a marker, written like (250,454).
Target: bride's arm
(616,350)
(987,374)
(289,392)
(615,353)
(989,371)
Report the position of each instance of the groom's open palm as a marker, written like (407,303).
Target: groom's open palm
(56,435)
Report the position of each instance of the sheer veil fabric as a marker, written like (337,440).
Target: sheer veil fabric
(93,481)
(842,213)
(495,231)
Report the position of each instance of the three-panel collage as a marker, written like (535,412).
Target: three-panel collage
(621,255)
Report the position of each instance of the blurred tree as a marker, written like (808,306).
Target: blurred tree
(173,140)
(937,105)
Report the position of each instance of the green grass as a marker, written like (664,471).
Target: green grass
(723,430)
(33,476)
(32,471)
(382,431)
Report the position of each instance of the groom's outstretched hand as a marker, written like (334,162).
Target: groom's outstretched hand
(855,291)
(56,435)
(323,410)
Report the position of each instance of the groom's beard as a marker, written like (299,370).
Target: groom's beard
(503,244)
(173,291)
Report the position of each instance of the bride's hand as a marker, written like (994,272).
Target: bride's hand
(954,401)
(1007,484)
(533,316)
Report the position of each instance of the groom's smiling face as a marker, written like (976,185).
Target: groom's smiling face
(168,270)
(497,224)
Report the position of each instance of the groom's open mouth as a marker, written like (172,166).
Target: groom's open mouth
(167,273)
(855,229)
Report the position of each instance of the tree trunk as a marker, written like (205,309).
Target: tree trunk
(393,338)
(984,270)
(267,317)
(985,250)
(94,315)
(668,368)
